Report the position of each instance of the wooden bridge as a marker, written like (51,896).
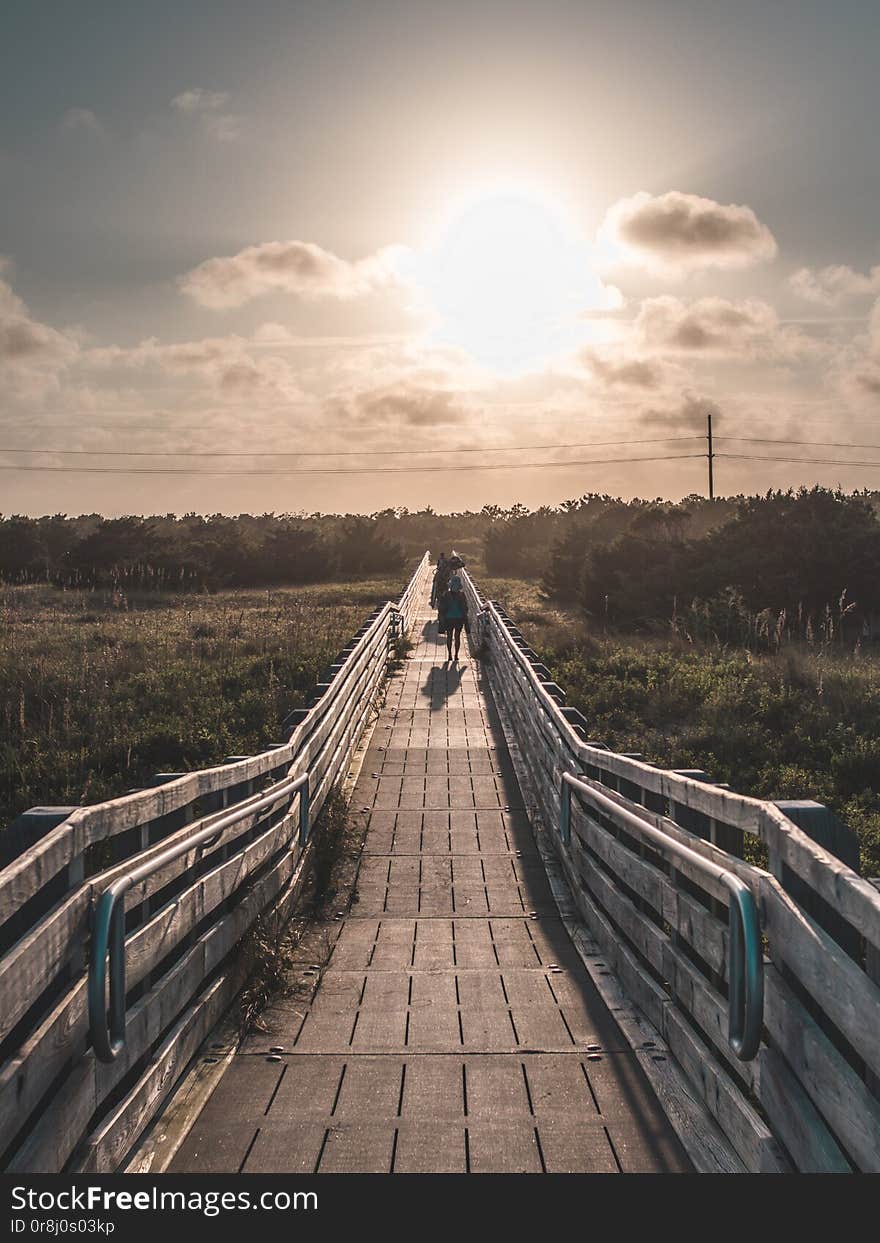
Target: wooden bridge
(554,957)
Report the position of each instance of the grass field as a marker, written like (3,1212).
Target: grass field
(99,691)
(802,722)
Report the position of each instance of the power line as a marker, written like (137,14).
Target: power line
(351,470)
(822,461)
(827,444)
(593,444)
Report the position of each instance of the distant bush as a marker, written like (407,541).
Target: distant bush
(169,553)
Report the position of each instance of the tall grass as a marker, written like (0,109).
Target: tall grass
(99,690)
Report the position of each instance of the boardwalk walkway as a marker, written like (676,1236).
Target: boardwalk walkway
(454,1028)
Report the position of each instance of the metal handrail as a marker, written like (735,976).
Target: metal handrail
(745,960)
(109,929)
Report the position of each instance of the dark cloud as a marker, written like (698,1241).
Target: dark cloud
(640,373)
(413,403)
(681,232)
(685,413)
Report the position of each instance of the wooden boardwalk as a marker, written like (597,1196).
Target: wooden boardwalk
(454,1028)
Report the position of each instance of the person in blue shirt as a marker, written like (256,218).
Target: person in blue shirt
(453,610)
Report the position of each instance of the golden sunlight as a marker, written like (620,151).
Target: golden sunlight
(506,281)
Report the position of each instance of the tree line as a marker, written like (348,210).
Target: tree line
(802,561)
(192,552)
(803,555)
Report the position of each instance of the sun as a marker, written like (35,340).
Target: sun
(506,281)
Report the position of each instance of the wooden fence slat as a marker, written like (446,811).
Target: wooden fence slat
(36,959)
(847,995)
(831,1083)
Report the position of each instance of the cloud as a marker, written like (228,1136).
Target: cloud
(82,120)
(627,372)
(224,127)
(300,268)
(207,108)
(198,100)
(413,402)
(856,368)
(829,286)
(686,412)
(31,353)
(226,362)
(407,385)
(677,233)
(717,327)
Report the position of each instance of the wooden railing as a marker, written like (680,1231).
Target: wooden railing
(809,1099)
(60,1105)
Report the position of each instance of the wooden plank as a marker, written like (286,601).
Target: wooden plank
(108,1146)
(32,870)
(705,932)
(34,961)
(225,844)
(852,1113)
(152,943)
(796,1120)
(28,1074)
(846,994)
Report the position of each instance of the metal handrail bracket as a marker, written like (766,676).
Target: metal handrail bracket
(108,936)
(745,959)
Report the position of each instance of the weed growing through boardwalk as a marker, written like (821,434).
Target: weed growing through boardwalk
(276,951)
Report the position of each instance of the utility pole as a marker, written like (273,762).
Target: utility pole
(711,456)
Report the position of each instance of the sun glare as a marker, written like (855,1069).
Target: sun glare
(506,280)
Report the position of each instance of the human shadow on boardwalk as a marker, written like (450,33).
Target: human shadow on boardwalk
(442,683)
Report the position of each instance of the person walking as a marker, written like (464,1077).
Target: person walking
(441,577)
(454,614)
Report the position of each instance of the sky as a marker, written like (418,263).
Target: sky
(349,256)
